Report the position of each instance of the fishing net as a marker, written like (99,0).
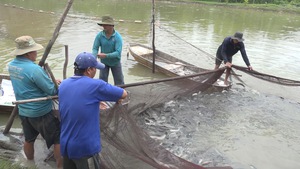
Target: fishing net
(269,78)
(125,144)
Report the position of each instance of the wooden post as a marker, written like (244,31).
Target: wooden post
(46,66)
(55,33)
(11,119)
(153,36)
(66,62)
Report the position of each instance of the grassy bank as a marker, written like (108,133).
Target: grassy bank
(287,8)
(8,164)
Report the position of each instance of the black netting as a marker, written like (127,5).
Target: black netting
(269,78)
(125,144)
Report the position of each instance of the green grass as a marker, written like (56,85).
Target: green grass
(9,165)
(288,8)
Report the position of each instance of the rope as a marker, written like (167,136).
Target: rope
(211,56)
(266,77)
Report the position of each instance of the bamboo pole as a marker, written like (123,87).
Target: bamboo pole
(46,66)
(127,85)
(170,79)
(34,100)
(55,33)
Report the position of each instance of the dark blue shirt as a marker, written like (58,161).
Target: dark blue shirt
(227,49)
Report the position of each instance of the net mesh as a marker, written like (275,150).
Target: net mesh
(125,144)
(269,78)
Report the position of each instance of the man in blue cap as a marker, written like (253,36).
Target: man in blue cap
(230,46)
(79,100)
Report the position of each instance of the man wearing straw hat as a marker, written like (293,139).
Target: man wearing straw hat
(229,47)
(30,81)
(110,42)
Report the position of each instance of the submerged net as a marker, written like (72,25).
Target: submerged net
(125,144)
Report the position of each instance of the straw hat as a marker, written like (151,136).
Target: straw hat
(25,44)
(106,20)
(238,36)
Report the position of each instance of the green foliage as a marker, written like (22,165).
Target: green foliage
(280,2)
(295,3)
(8,164)
(285,5)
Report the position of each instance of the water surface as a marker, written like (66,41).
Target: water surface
(251,127)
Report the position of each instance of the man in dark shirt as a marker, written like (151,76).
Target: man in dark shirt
(230,46)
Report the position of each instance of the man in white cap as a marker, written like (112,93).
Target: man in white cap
(79,100)
(110,42)
(230,46)
(30,81)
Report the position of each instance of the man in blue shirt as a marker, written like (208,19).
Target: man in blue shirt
(79,101)
(30,81)
(110,42)
(230,46)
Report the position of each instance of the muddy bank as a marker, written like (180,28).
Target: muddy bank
(11,151)
(10,146)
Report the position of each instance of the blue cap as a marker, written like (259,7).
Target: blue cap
(85,60)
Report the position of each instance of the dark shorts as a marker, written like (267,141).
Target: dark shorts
(82,163)
(219,59)
(47,125)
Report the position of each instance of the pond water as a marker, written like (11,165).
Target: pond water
(252,127)
(239,127)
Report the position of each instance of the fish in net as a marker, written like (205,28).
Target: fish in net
(127,145)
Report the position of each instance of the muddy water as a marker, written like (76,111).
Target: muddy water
(241,128)
(252,127)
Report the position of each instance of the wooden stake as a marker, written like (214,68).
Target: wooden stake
(11,119)
(66,62)
(46,66)
(55,33)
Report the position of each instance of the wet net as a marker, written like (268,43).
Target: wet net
(125,144)
(269,78)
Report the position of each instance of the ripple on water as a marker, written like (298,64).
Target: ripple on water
(240,127)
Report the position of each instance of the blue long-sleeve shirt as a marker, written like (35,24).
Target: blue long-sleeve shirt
(30,81)
(112,47)
(228,49)
(80,130)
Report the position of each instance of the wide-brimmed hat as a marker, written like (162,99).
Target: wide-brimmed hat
(25,44)
(85,60)
(238,36)
(106,20)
